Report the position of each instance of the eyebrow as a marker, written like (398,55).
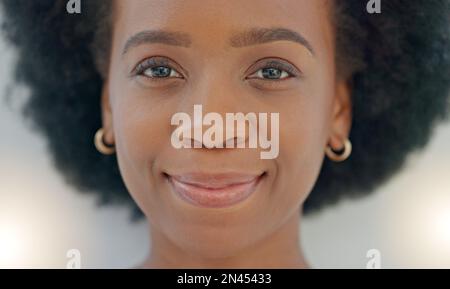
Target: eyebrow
(157,36)
(265,35)
(249,37)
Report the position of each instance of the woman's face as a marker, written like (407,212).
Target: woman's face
(254,56)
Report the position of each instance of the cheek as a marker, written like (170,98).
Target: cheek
(304,127)
(140,129)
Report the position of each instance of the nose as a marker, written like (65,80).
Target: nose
(214,130)
(214,100)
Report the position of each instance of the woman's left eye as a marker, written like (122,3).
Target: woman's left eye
(272,73)
(161,72)
(275,71)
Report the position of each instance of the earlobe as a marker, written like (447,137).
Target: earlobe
(341,154)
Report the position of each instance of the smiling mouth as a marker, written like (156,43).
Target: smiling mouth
(214,190)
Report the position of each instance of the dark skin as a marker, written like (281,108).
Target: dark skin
(211,65)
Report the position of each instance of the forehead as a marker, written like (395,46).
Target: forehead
(211,21)
(171,9)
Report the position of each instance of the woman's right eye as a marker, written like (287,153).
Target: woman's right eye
(156,68)
(161,72)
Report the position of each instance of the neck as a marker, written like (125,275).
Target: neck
(281,249)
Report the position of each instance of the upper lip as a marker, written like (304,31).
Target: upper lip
(215,180)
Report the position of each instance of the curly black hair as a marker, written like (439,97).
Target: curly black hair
(398,62)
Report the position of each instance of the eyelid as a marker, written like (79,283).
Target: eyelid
(279,64)
(155,61)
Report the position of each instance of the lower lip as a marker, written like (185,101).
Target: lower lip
(214,198)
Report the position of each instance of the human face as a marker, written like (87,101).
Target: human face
(219,54)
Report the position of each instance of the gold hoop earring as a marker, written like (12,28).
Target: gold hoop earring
(339,156)
(100,144)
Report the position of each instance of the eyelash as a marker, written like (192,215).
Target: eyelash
(154,62)
(151,63)
(276,64)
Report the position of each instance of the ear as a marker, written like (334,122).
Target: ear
(341,115)
(107,119)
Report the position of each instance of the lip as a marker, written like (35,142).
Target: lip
(214,190)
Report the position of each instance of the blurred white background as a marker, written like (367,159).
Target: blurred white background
(407,220)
